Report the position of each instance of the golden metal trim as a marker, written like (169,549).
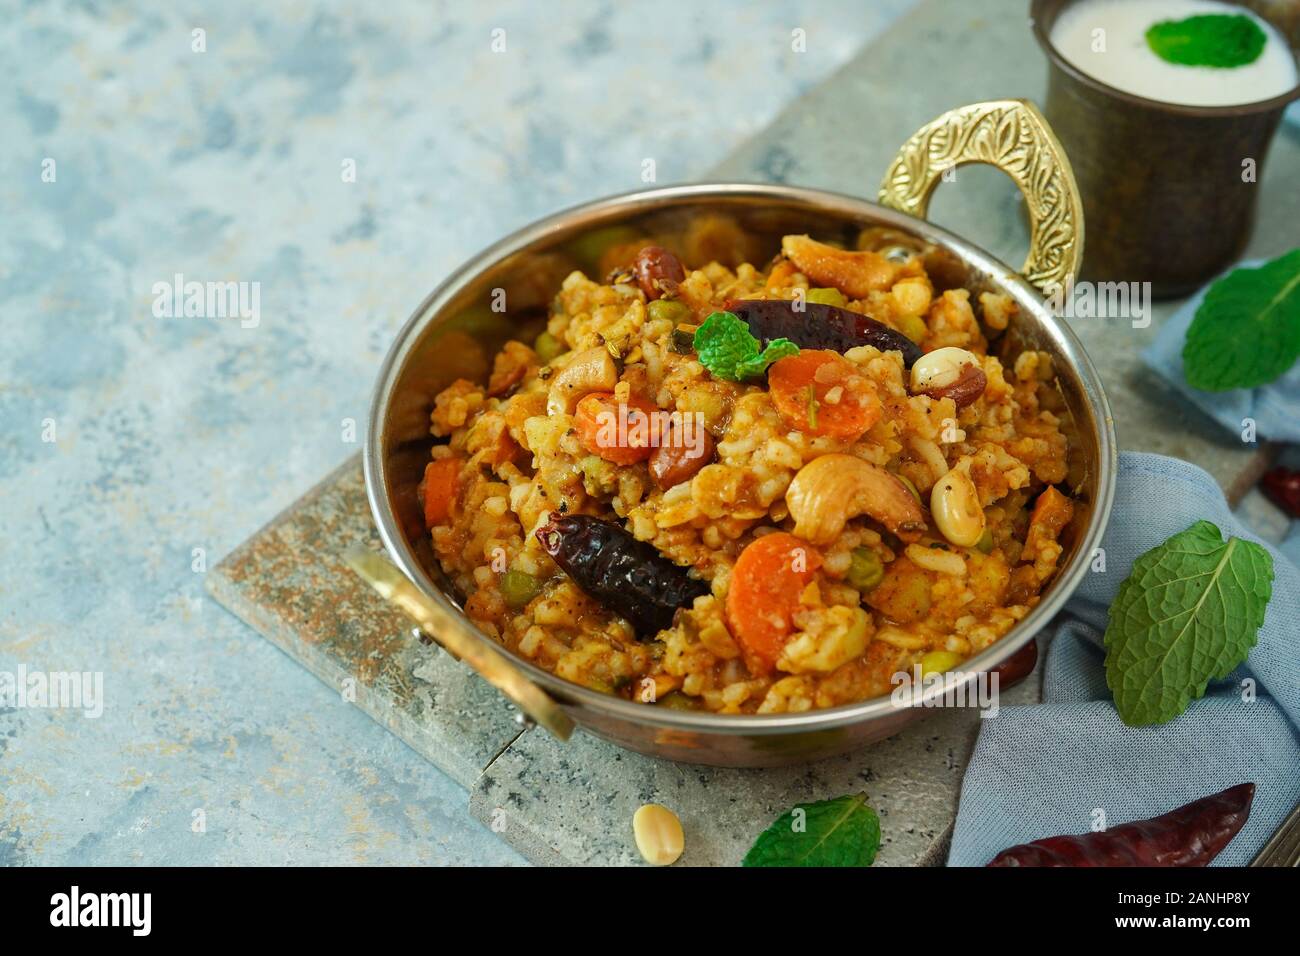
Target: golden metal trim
(491,665)
(1013,136)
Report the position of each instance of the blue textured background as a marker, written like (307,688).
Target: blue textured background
(175,434)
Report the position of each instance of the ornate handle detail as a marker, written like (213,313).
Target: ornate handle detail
(492,665)
(1013,136)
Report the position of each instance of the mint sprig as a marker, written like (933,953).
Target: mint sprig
(1222,40)
(729,350)
(1246,332)
(840,832)
(1188,613)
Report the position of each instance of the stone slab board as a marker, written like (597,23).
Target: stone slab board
(289,583)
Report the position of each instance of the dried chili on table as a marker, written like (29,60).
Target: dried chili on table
(1192,835)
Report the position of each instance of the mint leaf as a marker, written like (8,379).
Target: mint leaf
(840,832)
(1221,40)
(776,349)
(1246,332)
(1189,613)
(729,350)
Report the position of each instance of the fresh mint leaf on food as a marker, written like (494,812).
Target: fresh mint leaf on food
(840,832)
(1221,40)
(1189,613)
(1246,332)
(756,366)
(729,350)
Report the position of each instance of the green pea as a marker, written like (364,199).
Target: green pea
(518,588)
(670,309)
(865,569)
(827,297)
(939,662)
(985,544)
(548,347)
(589,247)
(677,701)
(908,484)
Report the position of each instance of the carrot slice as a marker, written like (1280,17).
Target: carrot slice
(617,432)
(1052,512)
(440,486)
(763,595)
(822,393)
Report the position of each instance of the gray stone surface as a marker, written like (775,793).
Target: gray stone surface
(573,804)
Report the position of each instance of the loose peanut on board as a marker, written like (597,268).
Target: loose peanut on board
(658,834)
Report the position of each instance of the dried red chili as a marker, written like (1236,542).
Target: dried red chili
(820,326)
(1282,486)
(628,576)
(1192,835)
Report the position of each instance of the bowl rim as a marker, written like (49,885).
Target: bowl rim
(571,695)
(1057,59)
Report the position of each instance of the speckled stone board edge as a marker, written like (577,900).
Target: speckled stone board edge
(574,803)
(289,583)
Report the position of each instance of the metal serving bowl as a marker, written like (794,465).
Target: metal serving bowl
(454,333)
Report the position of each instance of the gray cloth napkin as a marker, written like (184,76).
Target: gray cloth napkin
(1044,770)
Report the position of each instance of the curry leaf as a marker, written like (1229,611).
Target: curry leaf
(1188,613)
(840,832)
(1247,330)
(1211,39)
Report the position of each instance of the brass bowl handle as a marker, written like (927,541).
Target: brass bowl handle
(1013,136)
(492,666)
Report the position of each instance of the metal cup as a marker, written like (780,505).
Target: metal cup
(1169,191)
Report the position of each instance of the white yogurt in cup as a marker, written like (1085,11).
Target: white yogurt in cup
(1106,39)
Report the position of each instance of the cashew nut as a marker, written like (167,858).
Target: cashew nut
(831,489)
(589,371)
(856,274)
